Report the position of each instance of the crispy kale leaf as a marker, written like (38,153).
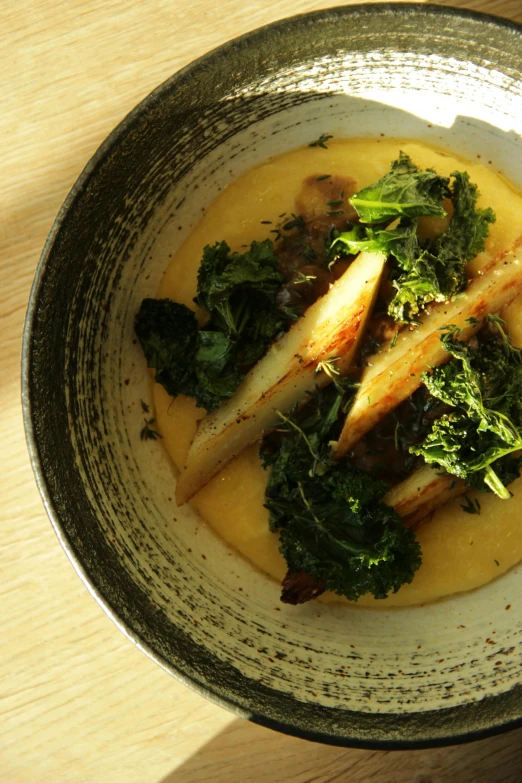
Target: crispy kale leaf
(435,270)
(231,285)
(477,440)
(329,517)
(467,231)
(197,363)
(403,192)
(238,293)
(401,242)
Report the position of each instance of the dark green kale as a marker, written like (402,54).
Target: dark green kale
(401,241)
(403,192)
(437,271)
(330,518)
(321,141)
(197,363)
(238,293)
(231,285)
(478,440)
(467,231)
(420,273)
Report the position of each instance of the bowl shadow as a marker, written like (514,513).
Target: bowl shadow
(247,752)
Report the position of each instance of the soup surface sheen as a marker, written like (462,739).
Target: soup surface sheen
(461,551)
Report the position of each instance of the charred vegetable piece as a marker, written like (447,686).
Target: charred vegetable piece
(303,358)
(395,372)
(300,587)
(421,493)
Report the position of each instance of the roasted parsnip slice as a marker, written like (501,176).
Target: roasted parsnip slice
(393,374)
(331,327)
(420,494)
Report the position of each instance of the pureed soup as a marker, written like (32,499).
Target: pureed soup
(460,551)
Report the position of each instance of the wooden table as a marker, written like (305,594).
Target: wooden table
(78,702)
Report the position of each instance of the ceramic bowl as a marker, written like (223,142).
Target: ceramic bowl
(388,679)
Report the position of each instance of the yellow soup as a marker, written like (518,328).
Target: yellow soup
(460,551)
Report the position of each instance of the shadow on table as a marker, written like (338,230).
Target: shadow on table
(246,753)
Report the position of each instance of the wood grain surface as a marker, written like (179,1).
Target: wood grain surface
(78,702)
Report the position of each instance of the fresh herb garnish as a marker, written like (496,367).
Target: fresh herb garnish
(297,222)
(330,368)
(307,252)
(478,440)
(147,433)
(321,141)
(471,506)
(300,277)
(330,518)
(238,292)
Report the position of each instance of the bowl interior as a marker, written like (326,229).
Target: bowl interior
(408,677)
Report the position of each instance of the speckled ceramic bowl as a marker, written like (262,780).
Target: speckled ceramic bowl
(404,678)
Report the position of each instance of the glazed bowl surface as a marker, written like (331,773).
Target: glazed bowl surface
(436,674)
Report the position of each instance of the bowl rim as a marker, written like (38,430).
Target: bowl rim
(404,9)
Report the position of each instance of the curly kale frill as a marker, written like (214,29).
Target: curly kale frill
(237,291)
(403,192)
(330,518)
(479,439)
(421,272)
(436,271)
(186,360)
